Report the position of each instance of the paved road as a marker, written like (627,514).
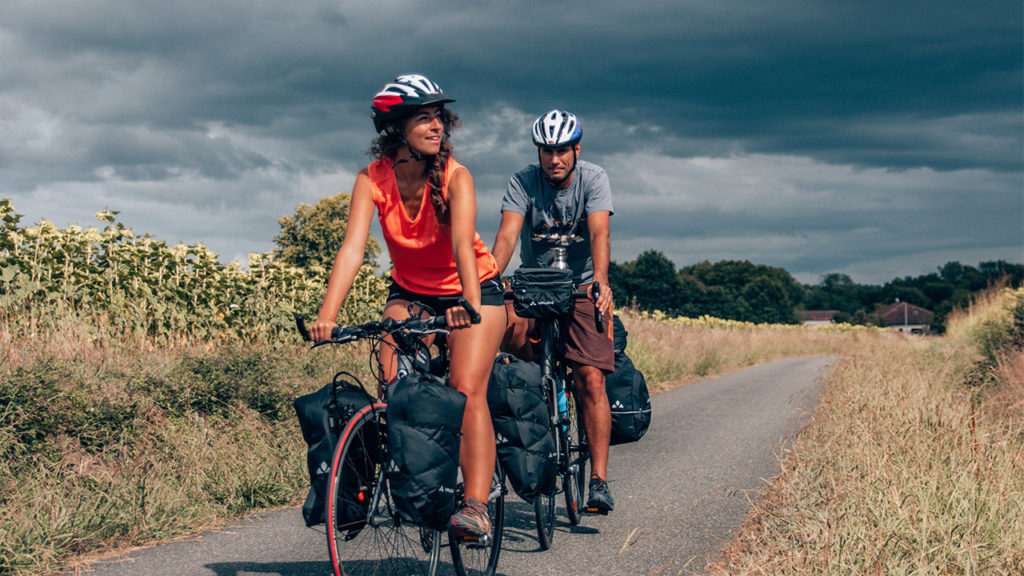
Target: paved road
(680,493)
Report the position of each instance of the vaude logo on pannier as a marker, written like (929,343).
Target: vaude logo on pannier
(617,405)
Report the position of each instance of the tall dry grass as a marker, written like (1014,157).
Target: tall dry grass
(911,464)
(107,443)
(676,351)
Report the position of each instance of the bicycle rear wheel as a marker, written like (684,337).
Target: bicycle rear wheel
(470,557)
(576,475)
(364,532)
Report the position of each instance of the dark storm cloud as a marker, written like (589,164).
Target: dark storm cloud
(875,138)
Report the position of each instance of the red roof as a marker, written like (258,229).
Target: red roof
(904,313)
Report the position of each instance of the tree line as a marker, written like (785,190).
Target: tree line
(741,290)
(729,289)
(165,289)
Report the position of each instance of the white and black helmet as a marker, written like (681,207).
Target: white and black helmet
(556,128)
(403,94)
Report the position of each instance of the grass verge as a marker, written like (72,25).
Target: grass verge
(912,463)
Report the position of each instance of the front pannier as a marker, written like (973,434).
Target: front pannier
(520,415)
(322,417)
(424,424)
(542,293)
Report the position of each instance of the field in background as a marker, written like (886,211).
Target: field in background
(112,440)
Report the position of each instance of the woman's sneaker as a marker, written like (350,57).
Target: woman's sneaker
(600,500)
(472,521)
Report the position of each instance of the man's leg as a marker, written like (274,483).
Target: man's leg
(597,416)
(516,340)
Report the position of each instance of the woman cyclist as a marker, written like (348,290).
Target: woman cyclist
(426,205)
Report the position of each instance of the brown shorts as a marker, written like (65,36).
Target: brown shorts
(583,343)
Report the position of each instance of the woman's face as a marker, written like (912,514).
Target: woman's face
(424,130)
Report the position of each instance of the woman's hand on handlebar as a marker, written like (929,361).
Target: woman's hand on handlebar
(457,318)
(321,330)
(462,316)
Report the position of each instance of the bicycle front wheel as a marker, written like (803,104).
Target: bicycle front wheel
(365,535)
(576,475)
(472,557)
(544,512)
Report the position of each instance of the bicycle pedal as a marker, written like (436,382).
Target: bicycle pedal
(595,511)
(476,541)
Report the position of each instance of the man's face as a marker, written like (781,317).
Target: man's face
(558,163)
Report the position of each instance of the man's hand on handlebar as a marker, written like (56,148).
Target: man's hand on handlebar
(604,299)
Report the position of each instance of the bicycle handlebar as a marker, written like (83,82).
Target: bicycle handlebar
(414,326)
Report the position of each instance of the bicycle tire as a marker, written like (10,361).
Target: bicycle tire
(578,451)
(364,533)
(544,504)
(544,514)
(468,557)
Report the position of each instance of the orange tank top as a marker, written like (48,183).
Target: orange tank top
(420,248)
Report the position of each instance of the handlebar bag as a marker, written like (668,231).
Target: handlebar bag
(526,447)
(542,293)
(424,426)
(322,417)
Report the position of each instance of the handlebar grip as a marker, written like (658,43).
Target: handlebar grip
(474,316)
(301,326)
(598,317)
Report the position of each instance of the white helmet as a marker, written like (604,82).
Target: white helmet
(556,128)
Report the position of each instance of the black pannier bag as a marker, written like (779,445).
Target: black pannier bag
(542,293)
(424,427)
(627,393)
(322,417)
(525,445)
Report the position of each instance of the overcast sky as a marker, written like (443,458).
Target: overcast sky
(879,139)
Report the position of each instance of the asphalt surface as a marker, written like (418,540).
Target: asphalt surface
(680,494)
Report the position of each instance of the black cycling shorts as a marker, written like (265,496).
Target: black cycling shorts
(491,294)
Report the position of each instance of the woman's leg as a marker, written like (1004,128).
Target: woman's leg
(396,309)
(471,353)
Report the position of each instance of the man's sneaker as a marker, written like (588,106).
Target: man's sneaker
(472,521)
(600,500)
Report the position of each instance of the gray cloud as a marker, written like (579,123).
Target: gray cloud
(876,139)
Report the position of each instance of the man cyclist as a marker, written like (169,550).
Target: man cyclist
(564,195)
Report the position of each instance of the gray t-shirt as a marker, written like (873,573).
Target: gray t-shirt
(546,210)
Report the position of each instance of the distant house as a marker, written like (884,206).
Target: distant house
(816,317)
(906,318)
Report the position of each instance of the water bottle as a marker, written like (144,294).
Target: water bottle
(563,408)
(559,254)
